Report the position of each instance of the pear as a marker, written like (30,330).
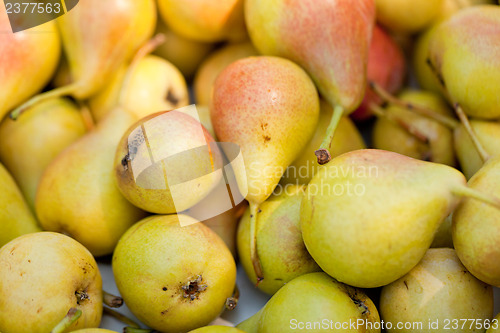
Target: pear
(386,66)
(494,326)
(214,64)
(438,291)
(251,324)
(281,249)
(425,75)
(16,218)
(347,138)
(333,47)
(488,133)
(464,53)
(217,329)
(407,16)
(93,330)
(152,85)
(167,162)
(77,194)
(205,20)
(450,7)
(476,227)
(315,302)
(257,105)
(188,272)
(184,53)
(436,143)
(39,64)
(369,216)
(35,139)
(42,276)
(95,51)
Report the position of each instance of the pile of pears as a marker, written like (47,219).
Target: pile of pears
(345,155)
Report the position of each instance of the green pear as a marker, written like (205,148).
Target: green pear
(393,130)
(332,47)
(167,162)
(443,237)
(476,227)
(494,325)
(16,64)
(152,84)
(173,273)
(369,216)
(217,329)
(16,218)
(30,143)
(465,54)
(269,107)
(42,276)
(437,295)
(77,194)
(407,16)
(315,302)
(424,73)
(347,138)
(281,249)
(488,133)
(251,325)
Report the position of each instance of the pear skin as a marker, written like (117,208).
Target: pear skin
(33,53)
(251,325)
(187,270)
(369,216)
(438,288)
(450,7)
(205,20)
(158,166)
(42,276)
(281,249)
(438,146)
(488,133)
(16,218)
(347,138)
(31,142)
(313,297)
(214,64)
(217,329)
(407,16)
(77,194)
(465,53)
(476,227)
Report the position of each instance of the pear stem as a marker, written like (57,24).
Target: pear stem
(88,120)
(254,256)
(423,111)
(232,301)
(111,300)
(124,319)
(323,153)
(58,92)
(472,134)
(146,49)
(408,127)
(68,320)
(468,192)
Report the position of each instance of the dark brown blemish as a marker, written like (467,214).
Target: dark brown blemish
(192,289)
(81,295)
(125,161)
(29,261)
(263,126)
(406,285)
(164,312)
(171,97)
(164,289)
(266,138)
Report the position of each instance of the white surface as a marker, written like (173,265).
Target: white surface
(251,300)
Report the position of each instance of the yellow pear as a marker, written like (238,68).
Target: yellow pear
(16,218)
(407,16)
(31,142)
(27,61)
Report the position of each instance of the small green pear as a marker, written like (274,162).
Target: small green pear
(476,227)
(391,131)
(424,73)
(465,54)
(31,142)
(217,329)
(16,218)
(167,162)
(488,133)
(281,249)
(439,289)
(42,276)
(173,273)
(251,325)
(315,302)
(370,215)
(347,138)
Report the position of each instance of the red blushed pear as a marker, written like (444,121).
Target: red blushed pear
(330,39)
(386,66)
(269,107)
(96,45)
